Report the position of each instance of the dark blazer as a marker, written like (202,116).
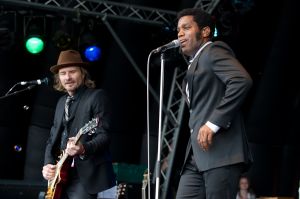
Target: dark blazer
(218,85)
(95,169)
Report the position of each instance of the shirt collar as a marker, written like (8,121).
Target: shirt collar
(200,49)
(79,91)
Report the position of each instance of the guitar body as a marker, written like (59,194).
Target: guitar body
(56,185)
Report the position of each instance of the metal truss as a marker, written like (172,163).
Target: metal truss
(207,5)
(100,8)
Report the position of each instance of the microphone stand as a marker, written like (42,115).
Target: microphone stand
(162,57)
(8,94)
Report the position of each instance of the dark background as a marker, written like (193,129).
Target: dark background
(263,35)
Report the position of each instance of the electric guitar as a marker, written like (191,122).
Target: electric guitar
(55,185)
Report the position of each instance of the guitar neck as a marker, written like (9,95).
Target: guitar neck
(62,159)
(78,135)
(65,155)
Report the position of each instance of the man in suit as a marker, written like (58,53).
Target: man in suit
(89,165)
(215,86)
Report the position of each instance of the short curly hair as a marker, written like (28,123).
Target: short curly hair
(201,17)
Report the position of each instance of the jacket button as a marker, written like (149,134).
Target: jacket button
(192,130)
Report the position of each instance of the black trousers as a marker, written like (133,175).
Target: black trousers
(74,189)
(218,183)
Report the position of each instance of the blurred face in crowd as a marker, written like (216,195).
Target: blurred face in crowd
(244,184)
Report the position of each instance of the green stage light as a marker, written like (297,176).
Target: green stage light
(34,45)
(34,33)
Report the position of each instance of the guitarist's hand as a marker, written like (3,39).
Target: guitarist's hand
(49,171)
(73,148)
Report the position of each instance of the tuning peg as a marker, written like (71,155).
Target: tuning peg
(91,132)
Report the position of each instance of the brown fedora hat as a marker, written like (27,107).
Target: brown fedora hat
(68,58)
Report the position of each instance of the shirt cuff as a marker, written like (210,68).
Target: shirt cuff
(212,126)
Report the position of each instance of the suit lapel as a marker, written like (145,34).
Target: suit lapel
(76,104)
(183,90)
(61,110)
(191,71)
(59,116)
(78,109)
(188,80)
(190,77)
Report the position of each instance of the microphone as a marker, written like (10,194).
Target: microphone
(173,44)
(36,82)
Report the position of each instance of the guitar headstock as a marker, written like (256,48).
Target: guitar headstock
(90,126)
(145,184)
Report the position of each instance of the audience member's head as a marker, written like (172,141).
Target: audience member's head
(245,190)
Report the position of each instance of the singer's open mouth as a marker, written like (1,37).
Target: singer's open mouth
(182,42)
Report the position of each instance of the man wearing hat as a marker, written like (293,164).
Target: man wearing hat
(89,165)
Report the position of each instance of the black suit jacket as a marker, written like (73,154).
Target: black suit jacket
(218,85)
(95,169)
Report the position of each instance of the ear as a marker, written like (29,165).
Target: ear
(205,31)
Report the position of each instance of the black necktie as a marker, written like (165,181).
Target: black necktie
(69,101)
